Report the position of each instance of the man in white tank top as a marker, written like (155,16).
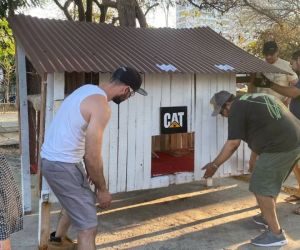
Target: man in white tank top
(75,133)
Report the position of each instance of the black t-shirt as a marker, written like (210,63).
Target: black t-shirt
(264,123)
(295,103)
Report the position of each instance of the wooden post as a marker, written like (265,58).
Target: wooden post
(52,90)
(24,129)
(44,205)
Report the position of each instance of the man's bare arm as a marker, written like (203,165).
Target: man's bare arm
(291,91)
(228,149)
(97,112)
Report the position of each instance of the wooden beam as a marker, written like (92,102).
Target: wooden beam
(54,90)
(44,225)
(44,204)
(24,129)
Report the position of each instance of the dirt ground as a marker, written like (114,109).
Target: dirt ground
(189,216)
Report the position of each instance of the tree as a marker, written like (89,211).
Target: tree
(7,52)
(8,7)
(276,11)
(126,12)
(286,36)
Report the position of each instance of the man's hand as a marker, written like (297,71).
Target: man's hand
(251,165)
(211,169)
(252,161)
(104,198)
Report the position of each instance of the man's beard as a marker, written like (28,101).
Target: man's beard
(118,99)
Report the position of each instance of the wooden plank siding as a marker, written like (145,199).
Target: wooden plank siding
(134,131)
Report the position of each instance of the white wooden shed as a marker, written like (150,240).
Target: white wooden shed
(183,67)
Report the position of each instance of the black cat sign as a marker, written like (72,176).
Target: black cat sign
(173,120)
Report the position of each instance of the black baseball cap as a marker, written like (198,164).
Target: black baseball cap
(130,77)
(270,48)
(218,100)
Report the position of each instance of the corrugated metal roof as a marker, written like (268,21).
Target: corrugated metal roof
(58,46)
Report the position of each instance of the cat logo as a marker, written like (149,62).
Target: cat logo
(173,120)
(175,125)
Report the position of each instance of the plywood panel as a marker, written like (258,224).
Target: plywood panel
(201,139)
(122,146)
(147,134)
(131,146)
(155,95)
(212,122)
(139,140)
(113,149)
(210,135)
(106,138)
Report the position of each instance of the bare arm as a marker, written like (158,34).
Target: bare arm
(290,91)
(228,149)
(252,161)
(96,110)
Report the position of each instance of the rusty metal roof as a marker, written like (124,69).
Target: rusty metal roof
(58,46)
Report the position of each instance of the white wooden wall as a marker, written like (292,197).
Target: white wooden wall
(127,139)
(211,132)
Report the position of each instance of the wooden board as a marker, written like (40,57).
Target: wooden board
(24,129)
(134,129)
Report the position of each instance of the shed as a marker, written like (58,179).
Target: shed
(180,68)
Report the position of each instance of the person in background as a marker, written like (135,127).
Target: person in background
(11,213)
(271,54)
(292,92)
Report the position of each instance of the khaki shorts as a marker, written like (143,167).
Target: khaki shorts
(69,183)
(271,170)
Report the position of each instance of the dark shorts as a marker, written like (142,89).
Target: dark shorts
(69,183)
(271,170)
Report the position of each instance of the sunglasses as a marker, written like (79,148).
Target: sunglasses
(130,93)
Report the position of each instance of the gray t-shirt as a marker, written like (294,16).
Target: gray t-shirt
(264,123)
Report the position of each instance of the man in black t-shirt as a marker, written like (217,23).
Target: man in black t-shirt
(273,133)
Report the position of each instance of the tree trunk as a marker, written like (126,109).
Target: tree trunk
(89,11)
(103,12)
(127,12)
(141,17)
(81,12)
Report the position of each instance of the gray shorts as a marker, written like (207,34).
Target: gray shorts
(69,183)
(271,170)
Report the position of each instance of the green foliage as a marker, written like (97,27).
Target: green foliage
(7,47)
(7,60)
(286,37)
(8,7)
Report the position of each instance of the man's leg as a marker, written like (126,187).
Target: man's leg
(267,206)
(297,175)
(63,224)
(86,239)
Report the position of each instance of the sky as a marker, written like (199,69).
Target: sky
(154,18)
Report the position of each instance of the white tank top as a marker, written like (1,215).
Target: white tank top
(65,137)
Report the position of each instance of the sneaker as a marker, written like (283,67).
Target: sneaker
(268,239)
(56,243)
(260,220)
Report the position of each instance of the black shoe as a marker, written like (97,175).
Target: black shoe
(56,243)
